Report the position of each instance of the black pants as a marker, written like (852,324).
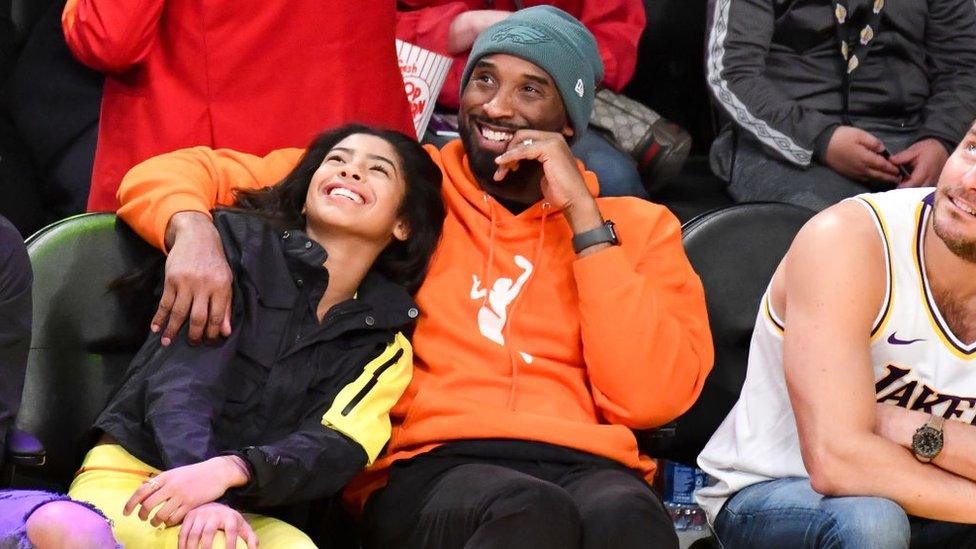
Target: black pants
(514,494)
(15,324)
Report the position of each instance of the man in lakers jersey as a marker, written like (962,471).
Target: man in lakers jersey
(855,427)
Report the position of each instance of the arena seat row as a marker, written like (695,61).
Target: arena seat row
(85,335)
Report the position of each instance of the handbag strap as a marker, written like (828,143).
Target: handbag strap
(853,41)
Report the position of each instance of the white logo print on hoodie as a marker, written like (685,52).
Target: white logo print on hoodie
(494,311)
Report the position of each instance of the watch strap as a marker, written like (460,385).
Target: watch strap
(605,233)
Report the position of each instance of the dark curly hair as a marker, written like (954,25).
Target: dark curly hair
(403,262)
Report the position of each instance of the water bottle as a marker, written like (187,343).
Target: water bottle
(680,484)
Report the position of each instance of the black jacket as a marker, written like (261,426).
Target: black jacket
(774,67)
(306,404)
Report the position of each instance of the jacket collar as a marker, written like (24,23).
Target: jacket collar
(278,283)
(389,305)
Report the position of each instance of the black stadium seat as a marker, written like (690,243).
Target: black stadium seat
(735,251)
(84,336)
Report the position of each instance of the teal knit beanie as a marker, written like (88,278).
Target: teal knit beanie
(559,44)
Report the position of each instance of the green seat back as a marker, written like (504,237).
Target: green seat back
(84,335)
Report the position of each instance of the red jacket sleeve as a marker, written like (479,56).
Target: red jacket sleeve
(617,26)
(111,35)
(646,340)
(428,27)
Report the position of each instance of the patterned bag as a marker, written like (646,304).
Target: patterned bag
(659,147)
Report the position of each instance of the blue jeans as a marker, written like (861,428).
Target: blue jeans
(616,171)
(788,513)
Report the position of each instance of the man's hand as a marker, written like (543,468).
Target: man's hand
(856,154)
(468,25)
(562,184)
(198,281)
(926,158)
(180,490)
(203,523)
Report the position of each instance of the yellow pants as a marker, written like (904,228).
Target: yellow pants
(110,475)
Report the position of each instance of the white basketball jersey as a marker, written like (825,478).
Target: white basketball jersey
(918,363)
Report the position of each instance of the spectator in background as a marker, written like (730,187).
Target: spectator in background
(820,92)
(52,100)
(31,518)
(16,278)
(855,423)
(450,27)
(248,75)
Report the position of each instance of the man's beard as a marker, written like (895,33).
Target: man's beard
(962,247)
(483,166)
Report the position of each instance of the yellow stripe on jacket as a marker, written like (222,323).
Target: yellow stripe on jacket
(361,410)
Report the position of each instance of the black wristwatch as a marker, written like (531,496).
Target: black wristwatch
(602,234)
(927,440)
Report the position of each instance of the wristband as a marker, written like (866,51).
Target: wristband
(605,233)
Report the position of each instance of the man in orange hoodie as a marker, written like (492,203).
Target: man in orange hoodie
(548,332)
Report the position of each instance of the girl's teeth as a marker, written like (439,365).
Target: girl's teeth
(347,194)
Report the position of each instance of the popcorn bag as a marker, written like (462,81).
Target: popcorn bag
(424,73)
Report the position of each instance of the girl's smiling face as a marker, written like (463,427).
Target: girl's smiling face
(358,190)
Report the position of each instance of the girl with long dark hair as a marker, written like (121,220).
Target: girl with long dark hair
(295,400)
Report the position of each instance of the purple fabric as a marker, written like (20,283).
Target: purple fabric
(15,508)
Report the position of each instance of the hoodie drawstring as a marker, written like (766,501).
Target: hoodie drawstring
(536,261)
(491,249)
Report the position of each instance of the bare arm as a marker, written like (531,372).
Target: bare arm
(834,283)
(958,453)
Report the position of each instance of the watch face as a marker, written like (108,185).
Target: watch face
(927,442)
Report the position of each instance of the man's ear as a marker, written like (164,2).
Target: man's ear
(401,231)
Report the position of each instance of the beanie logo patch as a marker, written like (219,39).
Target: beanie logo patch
(579,87)
(521,35)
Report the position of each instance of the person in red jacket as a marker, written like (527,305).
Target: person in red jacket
(248,75)
(546,333)
(450,27)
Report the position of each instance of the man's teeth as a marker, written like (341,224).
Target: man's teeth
(492,135)
(346,193)
(963,207)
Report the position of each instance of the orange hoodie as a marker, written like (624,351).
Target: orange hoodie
(518,338)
